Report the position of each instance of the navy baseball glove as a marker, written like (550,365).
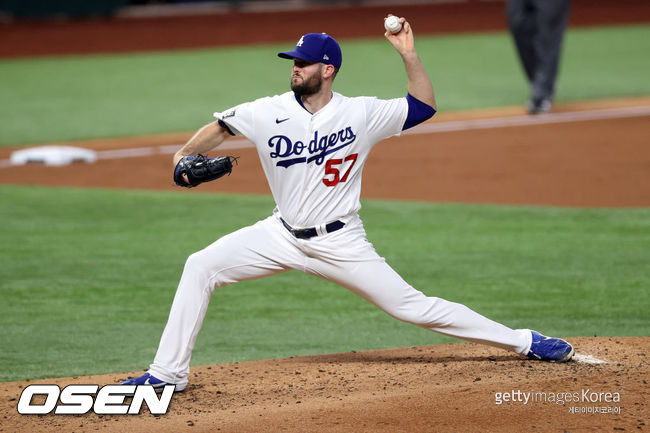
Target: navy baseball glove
(201,169)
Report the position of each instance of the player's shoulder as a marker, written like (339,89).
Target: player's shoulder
(340,99)
(372,103)
(274,100)
(369,99)
(347,99)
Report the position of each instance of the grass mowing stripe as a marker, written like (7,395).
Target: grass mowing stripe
(88,277)
(75,97)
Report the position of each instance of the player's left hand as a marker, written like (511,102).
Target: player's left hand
(403,40)
(194,170)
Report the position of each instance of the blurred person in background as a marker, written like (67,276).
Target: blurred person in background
(537,27)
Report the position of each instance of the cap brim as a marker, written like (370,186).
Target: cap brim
(296,55)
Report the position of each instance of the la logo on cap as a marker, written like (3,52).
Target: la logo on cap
(302,39)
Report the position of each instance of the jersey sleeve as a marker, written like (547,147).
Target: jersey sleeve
(237,120)
(384,117)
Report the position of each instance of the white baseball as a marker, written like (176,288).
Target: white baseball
(392,24)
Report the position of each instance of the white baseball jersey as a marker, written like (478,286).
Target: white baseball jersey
(314,162)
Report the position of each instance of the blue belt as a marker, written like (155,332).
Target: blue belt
(311,231)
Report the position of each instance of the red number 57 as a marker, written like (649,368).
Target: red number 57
(332,169)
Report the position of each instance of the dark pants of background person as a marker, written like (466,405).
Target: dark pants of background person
(538,28)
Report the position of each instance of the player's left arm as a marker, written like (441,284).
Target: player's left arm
(191,168)
(419,83)
(205,139)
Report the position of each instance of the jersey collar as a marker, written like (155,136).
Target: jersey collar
(299,100)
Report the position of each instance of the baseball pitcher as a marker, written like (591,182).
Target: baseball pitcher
(313,143)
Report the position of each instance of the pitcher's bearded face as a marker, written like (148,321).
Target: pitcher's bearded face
(306,77)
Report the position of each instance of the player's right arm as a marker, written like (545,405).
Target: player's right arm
(419,84)
(205,139)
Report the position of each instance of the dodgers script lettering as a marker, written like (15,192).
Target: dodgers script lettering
(289,152)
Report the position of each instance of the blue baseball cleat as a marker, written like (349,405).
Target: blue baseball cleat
(550,349)
(157,384)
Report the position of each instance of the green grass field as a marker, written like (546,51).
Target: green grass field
(88,276)
(61,98)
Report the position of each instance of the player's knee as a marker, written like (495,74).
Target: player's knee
(195,263)
(206,269)
(441,313)
(413,316)
(198,268)
(424,312)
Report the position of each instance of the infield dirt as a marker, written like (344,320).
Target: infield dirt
(442,388)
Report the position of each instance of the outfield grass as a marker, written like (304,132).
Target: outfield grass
(88,276)
(76,97)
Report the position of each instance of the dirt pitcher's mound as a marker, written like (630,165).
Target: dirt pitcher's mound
(453,387)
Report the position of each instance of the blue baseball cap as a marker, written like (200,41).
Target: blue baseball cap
(316,47)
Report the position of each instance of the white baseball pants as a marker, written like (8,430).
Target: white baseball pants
(344,257)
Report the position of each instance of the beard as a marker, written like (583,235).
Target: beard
(307,87)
